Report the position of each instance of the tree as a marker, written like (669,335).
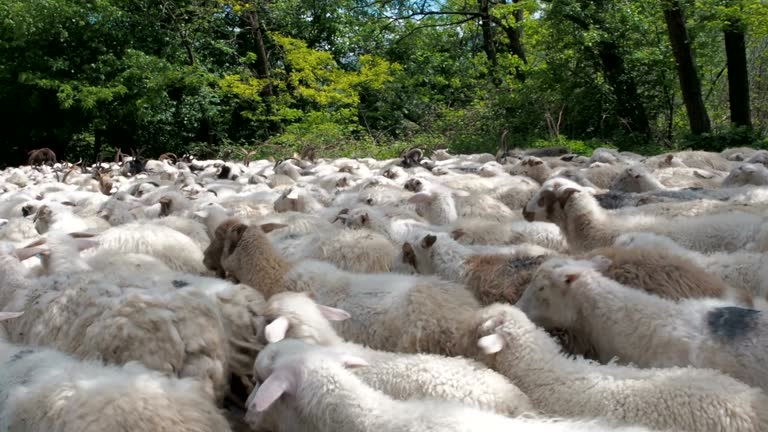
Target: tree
(690,84)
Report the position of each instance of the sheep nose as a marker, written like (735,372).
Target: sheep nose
(528,215)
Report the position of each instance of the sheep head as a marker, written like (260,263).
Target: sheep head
(549,298)
(548,204)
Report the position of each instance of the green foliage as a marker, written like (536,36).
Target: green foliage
(723,139)
(353,78)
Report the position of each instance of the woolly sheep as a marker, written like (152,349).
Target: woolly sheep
(747,174)
(744,270)
(390,311)
(587,226)
(684,399)
(647,330)
(660,271)
(401,376)
(348,405)
(43,389)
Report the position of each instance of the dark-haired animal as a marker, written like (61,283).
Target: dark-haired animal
(411,158)
(41,156)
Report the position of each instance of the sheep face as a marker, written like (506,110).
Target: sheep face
(634,179)
(289,200)
(754,174)
(414,185)
(535,168)
(419,254)
(548,204)
(43,219)
(549,298)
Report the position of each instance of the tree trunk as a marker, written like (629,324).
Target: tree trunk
(738,76)
(686,68)
(488,42)
(628,102)
(515,36)
(262,62)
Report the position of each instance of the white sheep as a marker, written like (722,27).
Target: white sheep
(46,390)
(401,376)
(316,393)
(392,312)
(683,399)
(747,174)
(587,226)
(647,330)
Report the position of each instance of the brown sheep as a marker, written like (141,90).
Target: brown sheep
(212,254)
(663,274)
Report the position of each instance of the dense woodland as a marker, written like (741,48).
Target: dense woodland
(217,78)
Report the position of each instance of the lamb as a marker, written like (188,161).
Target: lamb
(391,312)
(46,390)
(348,405)
(664,273)
(747,174)
(684,399)
(647,330)
(587,226)
(744,270)
(401,376)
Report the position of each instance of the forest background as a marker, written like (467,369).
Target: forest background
(369,78)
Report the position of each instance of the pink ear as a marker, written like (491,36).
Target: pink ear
(333,314)
(420,197)
(351,362)
(276,330)
(8,315)
(271,390)
(491,344)
(26,253)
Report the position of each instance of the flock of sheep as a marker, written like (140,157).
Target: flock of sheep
(532,291)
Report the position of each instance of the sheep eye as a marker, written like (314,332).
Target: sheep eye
(369,201)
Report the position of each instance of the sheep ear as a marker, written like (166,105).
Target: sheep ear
(27,253)
(269,227)
(491,344)
(421,197)
(276,330)
(3,222)
(83,244)
(271,390)
(428,241)
(333,314)
(461,193)
(353,362)
(9,315)
(566,194)
(293,194)
(601,262)
(748,168)
(703,175)
(202,214)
